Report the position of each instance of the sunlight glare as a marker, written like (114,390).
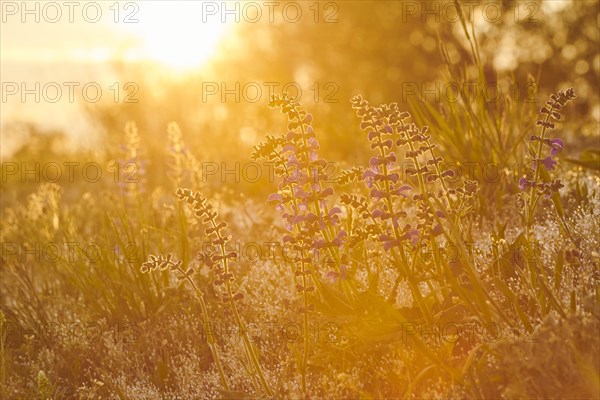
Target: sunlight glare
(173,34)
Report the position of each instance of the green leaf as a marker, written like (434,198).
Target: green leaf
(523,316)
(558,270)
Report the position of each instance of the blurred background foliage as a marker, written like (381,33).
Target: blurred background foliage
(381,50)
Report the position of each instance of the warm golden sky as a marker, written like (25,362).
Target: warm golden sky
(172,32)
(45,42)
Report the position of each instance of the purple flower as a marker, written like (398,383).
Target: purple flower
(557,146)
(328,191)
(334,211)
(299,192)
(369,176)
(388,244)
(339,239)
(399,191)
(335,276)
(377,194)
(319,243)
(295,219)
(549,163)
(288,148)
(523,183)
(287,239)
(437,230)
(377,213)
(374,162)
(275,197)
(332,276)
(413,235)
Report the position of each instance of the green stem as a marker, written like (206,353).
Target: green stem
(302,267)
(414,287)
(207,328)
(250,353)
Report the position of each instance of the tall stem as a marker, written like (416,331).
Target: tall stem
(251,354)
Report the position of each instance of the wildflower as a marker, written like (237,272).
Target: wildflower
(219,263)
(335,276)
(413,236)
(557,146)
(540,186)
(549,163)
(523,183)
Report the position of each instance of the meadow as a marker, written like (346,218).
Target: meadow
(390,244)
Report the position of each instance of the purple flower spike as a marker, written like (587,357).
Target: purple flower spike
(557,146)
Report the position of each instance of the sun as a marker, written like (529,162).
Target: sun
(172,33)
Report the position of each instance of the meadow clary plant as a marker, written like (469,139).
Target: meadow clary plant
(218,259)
(313,227)
(405,173)
(541,153)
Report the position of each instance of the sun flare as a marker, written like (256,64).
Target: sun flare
(174,34)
